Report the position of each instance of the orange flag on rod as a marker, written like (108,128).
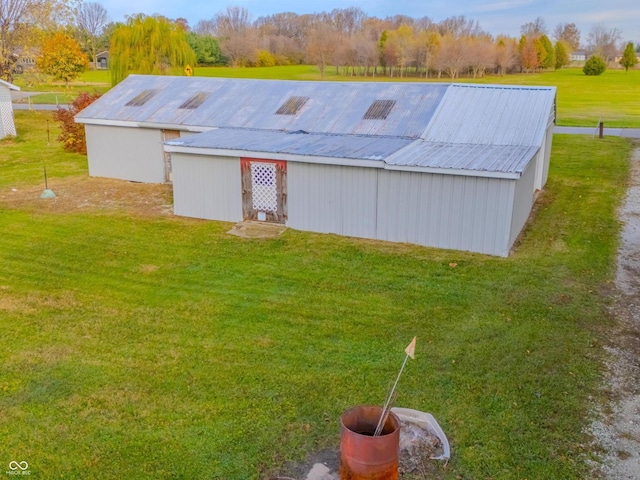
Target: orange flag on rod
(411,349)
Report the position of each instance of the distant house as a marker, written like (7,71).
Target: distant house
(102,60)
(25,63)
(578,56)
(7,124)
(444,165)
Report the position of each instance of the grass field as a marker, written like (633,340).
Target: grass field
(613,97)
(162,347)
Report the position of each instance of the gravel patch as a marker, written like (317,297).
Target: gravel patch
(616,431)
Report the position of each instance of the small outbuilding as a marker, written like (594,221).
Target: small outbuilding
(102,60)
(445,165)
(7,123)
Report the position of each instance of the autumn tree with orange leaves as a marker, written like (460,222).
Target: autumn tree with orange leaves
(62,58)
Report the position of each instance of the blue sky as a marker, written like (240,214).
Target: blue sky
(494,16)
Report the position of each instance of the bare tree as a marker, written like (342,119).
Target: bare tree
(534,29)
(347,20)
(424,23)
(91,19)
(284,35)
(18,21)
(321,45)
(481,53)
(458,27)
(238,39)
(506,54)
(569,33)
(206,27)
(367,52)
(602,41)
(451,57)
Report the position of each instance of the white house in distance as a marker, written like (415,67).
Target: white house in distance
(7,123)
(578,56)
(443,165)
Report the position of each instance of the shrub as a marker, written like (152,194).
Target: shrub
(72,135)
(594,66)
(265,59)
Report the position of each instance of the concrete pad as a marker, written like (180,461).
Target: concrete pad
(321,472)
(253,229)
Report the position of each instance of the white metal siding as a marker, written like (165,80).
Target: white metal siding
(207,187)
(332,199)
(546,158)
(523,199)
(5,94)
(445,211)
(134,154)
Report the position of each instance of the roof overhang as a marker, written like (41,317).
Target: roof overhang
(454,171)
(132,124)
(221,152)
(381,164)
(10,86)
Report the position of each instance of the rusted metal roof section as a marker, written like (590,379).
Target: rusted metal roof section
(195,101)
(296,143)
(142,98)
(333,107)
(292,106)
(492,115)
(379,110)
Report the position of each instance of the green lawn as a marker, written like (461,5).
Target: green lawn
(163,347)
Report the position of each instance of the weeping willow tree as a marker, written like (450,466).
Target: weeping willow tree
(149,45)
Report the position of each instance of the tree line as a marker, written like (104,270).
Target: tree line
(346,39)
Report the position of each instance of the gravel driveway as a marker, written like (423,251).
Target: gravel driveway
(617,431)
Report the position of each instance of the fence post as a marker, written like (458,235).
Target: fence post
(601,129)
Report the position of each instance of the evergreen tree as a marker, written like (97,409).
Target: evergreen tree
(206,48)
(594,66)
(562,54)
(629,57)
(546,52)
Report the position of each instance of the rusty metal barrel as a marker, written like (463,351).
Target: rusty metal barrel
(363,456)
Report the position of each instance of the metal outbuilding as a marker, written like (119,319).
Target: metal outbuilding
(7,123)
(445,165)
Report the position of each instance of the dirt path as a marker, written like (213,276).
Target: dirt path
(617,432)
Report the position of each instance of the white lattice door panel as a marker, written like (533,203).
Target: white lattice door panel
(264,187)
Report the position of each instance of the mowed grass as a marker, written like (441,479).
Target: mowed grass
(141,347)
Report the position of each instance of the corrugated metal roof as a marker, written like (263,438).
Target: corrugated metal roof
(482,128)
(492,115)
(296,143)
(333,107)
(478,158)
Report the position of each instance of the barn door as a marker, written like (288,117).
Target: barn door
(264,196)
(166,136)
